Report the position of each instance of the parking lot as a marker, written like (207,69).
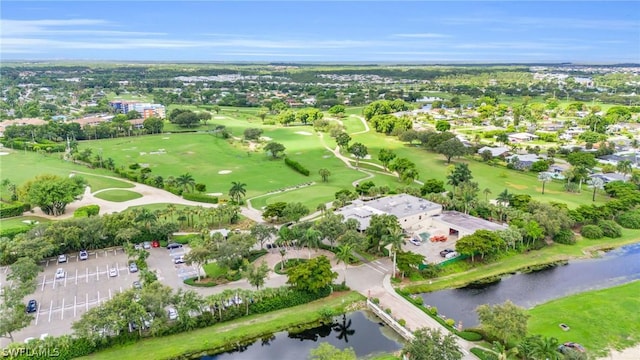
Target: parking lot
(84,284)
(162,261)
(431,250)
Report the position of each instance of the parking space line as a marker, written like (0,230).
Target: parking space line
(76,276)
(54,282)
(62,311)
(38,313)
(87,275)
(98,297)
(120,289)
(74,306)
(50,310)
(97,271)
(109,293)
(86,303)
(65,279)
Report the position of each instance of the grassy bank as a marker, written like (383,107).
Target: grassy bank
(513,263)
(599,320)
(118,195)
(220,335)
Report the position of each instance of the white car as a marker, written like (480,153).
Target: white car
(415,242)
(60,273)
(451,255)
(113,272)
(172,313)
(62,258)
(178,260)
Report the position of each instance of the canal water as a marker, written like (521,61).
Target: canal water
(527,290)
(361,330)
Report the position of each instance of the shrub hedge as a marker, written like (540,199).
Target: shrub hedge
(12,232)
(297,166)
(610,228)
(629,220)
(565,236)
(86,211)
(592,232)
(200,198)
(11,210)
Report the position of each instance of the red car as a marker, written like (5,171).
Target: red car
(155,243)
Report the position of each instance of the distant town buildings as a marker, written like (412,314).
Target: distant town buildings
(144,109)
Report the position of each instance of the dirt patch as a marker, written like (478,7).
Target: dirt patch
(517,186)
(2,153)
(224,172)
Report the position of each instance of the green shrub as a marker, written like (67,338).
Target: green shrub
(91,210)
(402,322)
(592,232)
(388,311)
(296,166)
(192,282)
(450,322)
(470,335)
(375,301)
(483,354)
(629,220)
(610,228)
(565,236)
(433,310)
(13,231)
(417,300)
(11,210)
(200,198)
(80,214)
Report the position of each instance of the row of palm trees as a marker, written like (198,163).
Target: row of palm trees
(190,217)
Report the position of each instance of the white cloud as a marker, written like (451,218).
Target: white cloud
(544,22)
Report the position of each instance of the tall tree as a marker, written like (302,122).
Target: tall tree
(186,181)
(313,275)
(450,148)
(257,275)
(430,344)
(359,151)
(274,149)
(386,156)
(343,255)
(459,175)
(624,167)
(343,140)
(263,232)
(505,322)
(52,193)
(199,256)
(544,177)
(324,174)
(238,191)
(394,239)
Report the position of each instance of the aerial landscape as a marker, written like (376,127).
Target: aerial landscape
(320,180)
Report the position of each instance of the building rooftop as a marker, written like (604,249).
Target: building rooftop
(471,224)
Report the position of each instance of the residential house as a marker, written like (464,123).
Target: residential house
(521,137)
(609,177)
(523,161)
(495,151)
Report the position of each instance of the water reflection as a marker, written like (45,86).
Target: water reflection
(614,268)
(361,331)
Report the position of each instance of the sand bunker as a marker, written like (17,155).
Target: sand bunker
(3,153)
(326,156)
(165,138)
(265,138)
(303,133)
(214,194)
(223,172)
(218,117)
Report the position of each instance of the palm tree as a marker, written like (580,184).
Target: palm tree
(486,193)
(502,352)
(237,191)
(624,167)
(311,239)
(544,177)
(546,348)
(147,218)
(170,210)
(596,183)
(395,238)
(186,181)
(343,255)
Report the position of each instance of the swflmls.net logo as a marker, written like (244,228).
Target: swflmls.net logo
(25,352)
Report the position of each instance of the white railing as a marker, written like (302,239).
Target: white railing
(406,334)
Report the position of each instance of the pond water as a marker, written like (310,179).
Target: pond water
(614,268)
(361,331)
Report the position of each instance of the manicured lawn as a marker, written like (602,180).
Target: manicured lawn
(118,195)
(353,124)
(497,179)
(99,182)
(217,336)
(549,254)
(18,221)
(20,166)
(213,270)
(598,320)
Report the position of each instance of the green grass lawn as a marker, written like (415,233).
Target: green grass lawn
(598,320)
(99,182)
(213,270)
(18,221)
(497,179)
(118,195)
(220,335)
(20,166)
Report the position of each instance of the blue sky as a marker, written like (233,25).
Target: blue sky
(335,31)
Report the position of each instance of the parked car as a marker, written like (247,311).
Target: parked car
(451,255)
(113,272)
(32,306)
(174,246)
(60,273)
(137,246)
(62,258)
(155,243)
(415,242)
(172,313)
(137,285)
(568,346)
(83,255)
(146,245)
(178,260)
(133,267)
(444,252)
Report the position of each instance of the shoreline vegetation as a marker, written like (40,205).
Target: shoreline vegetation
(536,260)
(225,336)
